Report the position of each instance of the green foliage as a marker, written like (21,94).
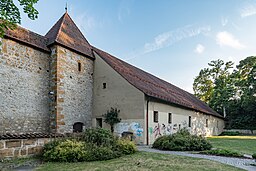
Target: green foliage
(111,117)
(254,156)
(126,147)
(95,145)
(222,152)
(10,14)
(230,91)
(230,133)
(182,141)
(98,136)
(64,151)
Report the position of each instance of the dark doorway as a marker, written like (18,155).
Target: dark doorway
(99,122)
(78,127)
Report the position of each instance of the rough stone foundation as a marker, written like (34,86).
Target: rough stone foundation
(22,147)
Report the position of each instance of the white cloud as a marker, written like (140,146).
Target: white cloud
(199,49)
(124,9)
(84,20)
(227,39)
(248,11)
(224,21)
(168,38)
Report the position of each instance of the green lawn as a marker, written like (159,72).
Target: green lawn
(142,161)
(241,144)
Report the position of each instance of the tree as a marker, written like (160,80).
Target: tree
(230,92)
(212,84)
(10,14)
(111,117)
(243,114)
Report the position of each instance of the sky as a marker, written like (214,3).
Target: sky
(171,39)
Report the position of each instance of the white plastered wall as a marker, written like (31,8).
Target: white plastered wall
(180,119)
(120,94)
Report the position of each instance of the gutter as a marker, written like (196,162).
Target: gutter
(147,123)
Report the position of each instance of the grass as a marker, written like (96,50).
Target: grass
(240,144)
(142,161)
(222,152)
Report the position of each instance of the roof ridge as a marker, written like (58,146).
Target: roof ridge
(62,21)
(145,82)
(78,29)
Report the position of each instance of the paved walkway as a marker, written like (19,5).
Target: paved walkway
(237,162)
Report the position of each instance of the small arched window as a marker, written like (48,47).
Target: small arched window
(79,66)
(78,127)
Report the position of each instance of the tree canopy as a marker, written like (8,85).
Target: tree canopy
(230,91)
(10,13)
(112,118)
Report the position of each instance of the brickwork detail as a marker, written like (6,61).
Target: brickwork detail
(24,87)
(22,147)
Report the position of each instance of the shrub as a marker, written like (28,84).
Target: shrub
(98,153)
(64,151)
(182,141)
(254,156)
(95,145)
(222,152)
(230,133)
(125,147)
(98,136)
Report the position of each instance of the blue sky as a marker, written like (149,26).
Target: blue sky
(172,39)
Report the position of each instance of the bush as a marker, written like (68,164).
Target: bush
(230,133)
(125,147)
(64,151)
(99,136)
(182,141)
(95,145)
(254,156)
(222,152)
(98,153)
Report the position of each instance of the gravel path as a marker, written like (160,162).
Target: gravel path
(237,162)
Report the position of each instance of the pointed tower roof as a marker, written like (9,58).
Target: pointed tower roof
(66,33)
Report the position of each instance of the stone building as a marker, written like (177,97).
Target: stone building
(59,83)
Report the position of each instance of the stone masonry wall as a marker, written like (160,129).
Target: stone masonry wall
(22,147)
(24,88)
(73,89)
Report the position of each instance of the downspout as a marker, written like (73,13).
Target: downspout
(147,124)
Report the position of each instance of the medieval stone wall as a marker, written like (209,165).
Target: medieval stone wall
(24,87)
(73,89)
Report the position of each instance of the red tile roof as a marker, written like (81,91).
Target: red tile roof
(66,33)
(28,37)
(155,87)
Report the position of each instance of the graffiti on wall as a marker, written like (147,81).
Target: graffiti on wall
(133,127)
(160,130)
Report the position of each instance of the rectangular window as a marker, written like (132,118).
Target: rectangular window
(206,122)
(155,116)
(170,118)
(99,122)
(79,66)
(189,121)
(104,86)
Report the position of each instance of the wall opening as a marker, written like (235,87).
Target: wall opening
(170,118)
(104,85)
(156,116)
(206,122)
(189,121)
(99,122)
(79,66)
(78,127)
